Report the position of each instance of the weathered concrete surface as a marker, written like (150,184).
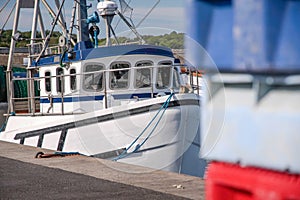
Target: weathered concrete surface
(20,180)
(17,60)
(116,172)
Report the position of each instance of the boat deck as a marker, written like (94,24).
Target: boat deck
(81,177)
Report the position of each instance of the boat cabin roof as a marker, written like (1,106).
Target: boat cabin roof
(84,51)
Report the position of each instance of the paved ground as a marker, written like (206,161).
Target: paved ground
(20,180)
(79,177)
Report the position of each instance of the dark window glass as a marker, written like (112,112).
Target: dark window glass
(93,78)
(73,79)
(176,82)
(163,75)
(59,79)
(119,78)
(143,76)
(48,81)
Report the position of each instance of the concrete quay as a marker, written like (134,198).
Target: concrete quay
(22,176)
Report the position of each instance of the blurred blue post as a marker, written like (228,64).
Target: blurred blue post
(252,105)
(258,35)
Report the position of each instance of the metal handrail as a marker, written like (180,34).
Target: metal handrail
(37,47)
(104,91)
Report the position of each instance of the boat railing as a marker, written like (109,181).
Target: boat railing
(36,48)
(55,49)
(23,104)
(192,77)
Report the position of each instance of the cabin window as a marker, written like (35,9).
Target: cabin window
(73,79)
(143,75)
(93,77)
(59,79)
(48,81)
(119,77)
(163,75)
(176,82)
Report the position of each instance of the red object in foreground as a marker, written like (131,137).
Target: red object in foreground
(232,182)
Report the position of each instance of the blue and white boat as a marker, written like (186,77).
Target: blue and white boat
(122,102)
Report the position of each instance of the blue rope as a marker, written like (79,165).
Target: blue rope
(163,107)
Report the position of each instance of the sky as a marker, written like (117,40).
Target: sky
(167,16)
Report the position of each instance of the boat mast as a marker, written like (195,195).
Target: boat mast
(10,90)
(61,19)
(30,70)
(72,24)
(61,22)
(83,29)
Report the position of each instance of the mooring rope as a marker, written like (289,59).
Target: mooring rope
(163,107)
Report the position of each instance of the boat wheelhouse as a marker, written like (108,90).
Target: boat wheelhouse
(104,77)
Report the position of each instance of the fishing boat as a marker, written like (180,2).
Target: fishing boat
(122,102)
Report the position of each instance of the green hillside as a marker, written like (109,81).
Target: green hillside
(172,40)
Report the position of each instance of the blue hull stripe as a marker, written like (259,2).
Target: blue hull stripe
(97,98)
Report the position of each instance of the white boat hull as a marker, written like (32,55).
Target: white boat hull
(115,128)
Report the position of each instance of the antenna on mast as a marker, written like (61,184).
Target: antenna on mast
(108,9)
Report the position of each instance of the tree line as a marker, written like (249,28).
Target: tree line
(172,40)
(5,38)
